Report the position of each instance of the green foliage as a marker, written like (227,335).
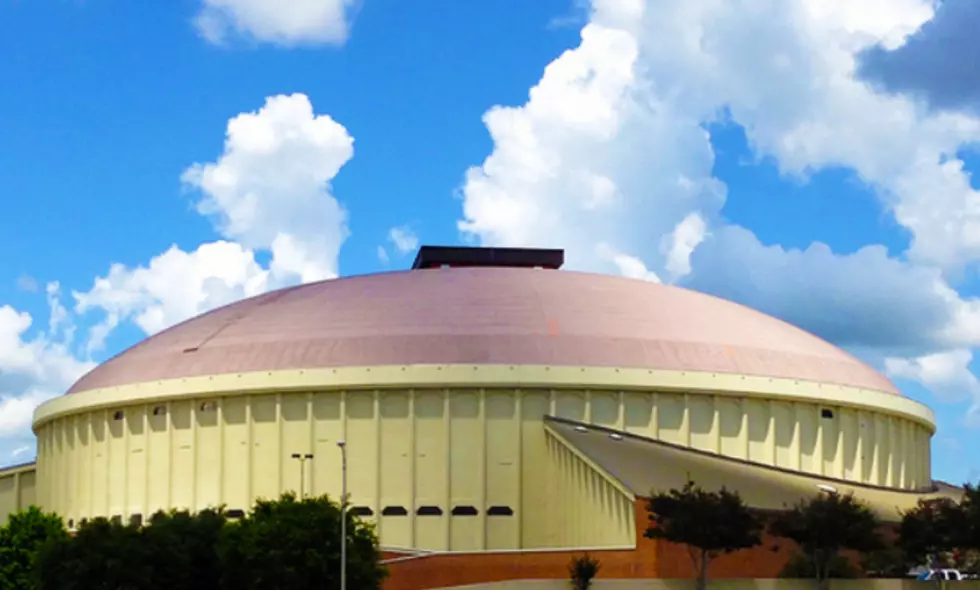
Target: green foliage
(887,562)
(826,524)
(181,549)
(24,534)
(969,530)
(802,566)
(285,543)
(295,544)
(101,555)
(932,528)
(709,523)
(583,570)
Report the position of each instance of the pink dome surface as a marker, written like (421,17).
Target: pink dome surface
(484,316)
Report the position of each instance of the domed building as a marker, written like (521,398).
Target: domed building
(489,403)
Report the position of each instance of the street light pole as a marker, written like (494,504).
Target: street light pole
(343,514)
(302,458)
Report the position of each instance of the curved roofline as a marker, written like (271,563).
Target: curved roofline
(486,376)
(248,306)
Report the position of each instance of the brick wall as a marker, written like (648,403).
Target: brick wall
(650,559)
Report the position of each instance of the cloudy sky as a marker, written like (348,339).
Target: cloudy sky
(811,158)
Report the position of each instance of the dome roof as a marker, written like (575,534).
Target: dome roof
(494,315)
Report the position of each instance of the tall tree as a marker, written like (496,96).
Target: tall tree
(102,555)
(708,523)
(20,541)
(931,529)
(182,549)
(825,525)
(290,543)
(969,530)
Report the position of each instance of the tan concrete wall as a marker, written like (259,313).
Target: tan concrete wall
(17,490)
(722,585)
(441,449)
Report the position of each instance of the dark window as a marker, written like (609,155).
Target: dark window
(136,519)
(825,413)
(394,511)
(500,511)
(71,523)
(235,513)
(429,511)
(361,511)
(209,406)
(160,411)
(118,415)
(83,522)
(464,511)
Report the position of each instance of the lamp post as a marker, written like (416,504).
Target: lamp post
(302,458)
(343,514)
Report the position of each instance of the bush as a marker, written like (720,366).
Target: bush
(583,570)
(284,543)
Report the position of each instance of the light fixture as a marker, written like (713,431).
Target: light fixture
(826,488)
(581,429)
(615,436)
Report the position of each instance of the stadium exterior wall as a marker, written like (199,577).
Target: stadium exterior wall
(17,489)
(435,438)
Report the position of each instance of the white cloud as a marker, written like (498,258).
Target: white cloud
(628,266)
(172,287)
(851,299)
(680,243)
(609,159)
(268,192)
(32,369)
(404,239)
(946,373)
(296,22)
(28,284)
(383,255)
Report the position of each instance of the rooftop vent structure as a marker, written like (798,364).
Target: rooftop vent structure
(464,256)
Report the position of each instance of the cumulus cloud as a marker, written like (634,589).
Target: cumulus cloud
(947,374)
(268,192)
(296,22)
(852,300)
(610,159)
(404,239)
(33,368)
(172,287)
(937,62)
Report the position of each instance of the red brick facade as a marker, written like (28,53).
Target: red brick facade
(650,559)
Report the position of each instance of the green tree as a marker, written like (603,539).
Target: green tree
(20,540)
(801,566)
(182,549)
(102,555)
(968,536)
(295,544)
(825,525)
(929,531)
(708,523)
(887,562)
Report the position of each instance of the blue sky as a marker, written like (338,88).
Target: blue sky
(804,159)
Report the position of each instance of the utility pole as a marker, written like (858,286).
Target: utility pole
(302,458)
(343,514)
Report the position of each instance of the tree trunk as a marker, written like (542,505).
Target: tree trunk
(703,574)
(821,567)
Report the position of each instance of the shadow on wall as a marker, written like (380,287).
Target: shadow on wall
(720,585)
